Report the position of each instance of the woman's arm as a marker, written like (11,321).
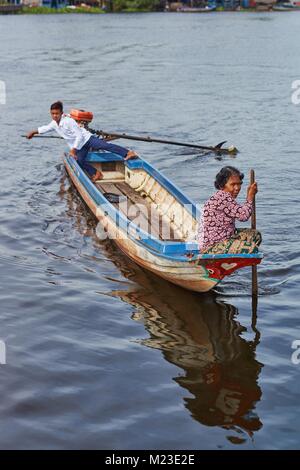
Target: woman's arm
(241,212)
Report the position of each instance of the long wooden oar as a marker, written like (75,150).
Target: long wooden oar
(253,226)
(107,135)
(217,148)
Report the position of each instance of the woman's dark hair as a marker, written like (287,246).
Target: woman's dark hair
(224,175)
(57,105)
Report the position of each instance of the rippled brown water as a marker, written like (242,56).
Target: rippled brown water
(101,354)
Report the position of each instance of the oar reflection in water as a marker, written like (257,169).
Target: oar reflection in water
(201,336)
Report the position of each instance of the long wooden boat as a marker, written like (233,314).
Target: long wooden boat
(152,221)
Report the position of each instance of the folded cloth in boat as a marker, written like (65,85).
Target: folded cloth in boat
(245,240)
(113,198)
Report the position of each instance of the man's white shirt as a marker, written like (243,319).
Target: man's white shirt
(75,136)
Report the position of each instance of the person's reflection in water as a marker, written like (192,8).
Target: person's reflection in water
(201,336)
(224,390)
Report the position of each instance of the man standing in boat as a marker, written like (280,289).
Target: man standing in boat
(79,139)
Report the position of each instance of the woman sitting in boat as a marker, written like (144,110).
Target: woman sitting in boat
(217,232)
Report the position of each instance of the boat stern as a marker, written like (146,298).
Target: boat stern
(221,265)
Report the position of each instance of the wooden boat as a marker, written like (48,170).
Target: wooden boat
(152,221)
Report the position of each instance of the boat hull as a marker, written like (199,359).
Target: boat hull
(192,272)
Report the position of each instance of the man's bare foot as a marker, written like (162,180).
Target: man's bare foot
(131,154)
(97,176)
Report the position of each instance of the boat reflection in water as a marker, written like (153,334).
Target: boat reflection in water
(200,335)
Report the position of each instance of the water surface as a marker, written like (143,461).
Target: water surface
(101,354)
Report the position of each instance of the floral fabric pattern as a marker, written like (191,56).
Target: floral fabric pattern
(218,219)
(244,241)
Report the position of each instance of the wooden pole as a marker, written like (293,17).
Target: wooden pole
(217,148)
(253,226)
(107,135)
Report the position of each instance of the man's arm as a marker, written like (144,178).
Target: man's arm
(41,130)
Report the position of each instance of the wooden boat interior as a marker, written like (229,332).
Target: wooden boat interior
(146,202)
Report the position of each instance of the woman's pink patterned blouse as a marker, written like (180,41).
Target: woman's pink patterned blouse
(218,218)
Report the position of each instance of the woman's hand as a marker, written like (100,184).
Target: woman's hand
(251,191)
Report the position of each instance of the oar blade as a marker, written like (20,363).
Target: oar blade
(218,146)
